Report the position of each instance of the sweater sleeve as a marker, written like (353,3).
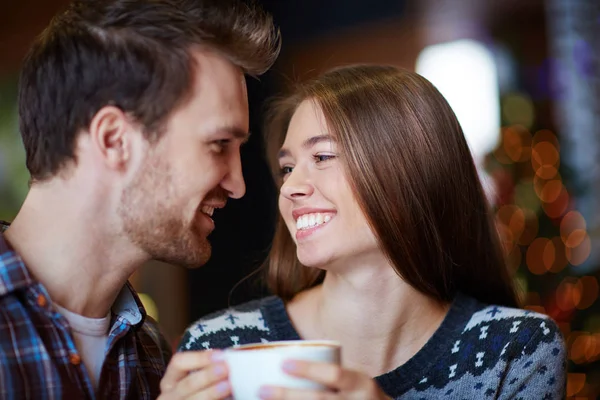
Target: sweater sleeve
(540,371)
(232,327)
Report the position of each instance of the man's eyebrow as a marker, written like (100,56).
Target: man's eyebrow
(307,144)
(236,132)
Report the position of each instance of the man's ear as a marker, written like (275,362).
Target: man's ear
(111,134)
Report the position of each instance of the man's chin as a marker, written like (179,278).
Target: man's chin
(190,259)
(185,262)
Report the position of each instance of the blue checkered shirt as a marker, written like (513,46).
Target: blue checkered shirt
(38,358)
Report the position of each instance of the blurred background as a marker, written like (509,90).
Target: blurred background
(523,77)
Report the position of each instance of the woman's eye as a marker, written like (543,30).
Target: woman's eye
(285,170)
(323,157)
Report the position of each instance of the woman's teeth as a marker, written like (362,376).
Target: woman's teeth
(208,210)
(307,221)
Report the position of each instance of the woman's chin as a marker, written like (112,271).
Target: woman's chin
(314,262)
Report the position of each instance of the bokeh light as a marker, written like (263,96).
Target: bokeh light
(516,226)
(559,206)
(589,293)
(578,254)
(540,256)
(530,230)
(568,294)
(572,221)
(525,195)
(545,135)
(545,160)
(150,305)
(518,109)
(512,221)
(551,190)
(516,142)
(582,349)
(575,382)
(560,256)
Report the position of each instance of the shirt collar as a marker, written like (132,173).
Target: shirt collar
(129,306)
(13,273)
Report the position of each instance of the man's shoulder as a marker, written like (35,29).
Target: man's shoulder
(245,323)
(158,348)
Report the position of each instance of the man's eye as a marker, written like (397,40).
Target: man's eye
(220,145)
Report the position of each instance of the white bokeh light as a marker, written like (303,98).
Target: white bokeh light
(465,73)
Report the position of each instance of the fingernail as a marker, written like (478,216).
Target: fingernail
(290,366)
(219,370)
(217,356)
(223,387)
(265,392)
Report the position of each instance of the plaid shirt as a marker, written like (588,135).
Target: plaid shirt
(38,358)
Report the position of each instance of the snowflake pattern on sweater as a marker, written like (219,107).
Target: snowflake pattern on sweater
(479,351)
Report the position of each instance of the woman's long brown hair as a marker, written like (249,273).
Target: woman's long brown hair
(412,173)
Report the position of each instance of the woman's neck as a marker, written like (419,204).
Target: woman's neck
(380,320)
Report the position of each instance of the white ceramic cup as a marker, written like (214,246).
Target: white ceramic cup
(255,365)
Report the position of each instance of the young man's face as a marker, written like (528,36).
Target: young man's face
(193,169)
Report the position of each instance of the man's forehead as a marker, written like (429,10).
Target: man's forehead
(220,93)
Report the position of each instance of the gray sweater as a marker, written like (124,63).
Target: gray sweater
(478,352)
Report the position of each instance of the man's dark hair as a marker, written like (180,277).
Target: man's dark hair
(133,54)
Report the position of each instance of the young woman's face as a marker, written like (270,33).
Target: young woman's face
(316,201)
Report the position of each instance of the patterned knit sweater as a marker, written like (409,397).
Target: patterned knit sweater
(478,352)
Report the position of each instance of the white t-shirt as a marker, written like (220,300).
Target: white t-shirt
(90,336)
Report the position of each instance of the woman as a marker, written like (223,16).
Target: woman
(385,244)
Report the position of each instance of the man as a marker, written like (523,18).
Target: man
(132,115)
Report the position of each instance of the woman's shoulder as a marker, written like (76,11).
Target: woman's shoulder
(241,324)
(514,333)
(495,351)
(519,324)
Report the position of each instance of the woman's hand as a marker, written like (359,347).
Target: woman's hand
(198,375)
(341,384)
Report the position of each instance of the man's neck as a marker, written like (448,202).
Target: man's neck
(72,252)
(383,314)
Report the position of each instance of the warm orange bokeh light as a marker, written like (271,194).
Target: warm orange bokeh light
(568,294)
(589,293)
(540,256)
(558,206)
(545,135)
(551,190)
(582,349)
(545,160)
(560,257)
(531,227)
(516,143)
(596,354)
(517,225)
(575,382)
(513,220)
(579,254)
(572,221)
(575,238)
